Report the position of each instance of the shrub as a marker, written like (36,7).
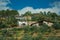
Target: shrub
(44,28)
(7,33)
(33,29)
(27,37)
(26,29)
(30,29)
(53,38)
(16,29)
(2,25)
(56,26)
(2,38)
(38,37)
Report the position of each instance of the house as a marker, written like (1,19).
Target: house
(22,23)
(25,20)
(41,23)
(48,23)
(22,20)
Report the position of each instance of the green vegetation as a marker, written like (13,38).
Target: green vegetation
(7,18)
(53,38)
(56,25)
(2,25)
(28,33)
(45,16)
(43,32)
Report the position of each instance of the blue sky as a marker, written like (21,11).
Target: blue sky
(19,4)
(35,6)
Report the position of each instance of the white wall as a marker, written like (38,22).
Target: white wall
(48,23)
(20,23)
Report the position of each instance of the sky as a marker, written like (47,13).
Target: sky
(35,6)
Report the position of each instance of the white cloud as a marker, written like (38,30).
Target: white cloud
(55,8)
(22,11)
(56,4)
(3,4)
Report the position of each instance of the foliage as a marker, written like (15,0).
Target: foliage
(12,21)
(48,16)
(7,33)
(53,38)
(8,17)
(27,37)
(26,29)
(38,37)
(44,28)
(6,13)
(28,13)
(56,25)
(2,25)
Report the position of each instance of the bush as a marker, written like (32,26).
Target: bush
(38,37)
(26,29)
(44,28)
(7,33)
(30,29)
(53,38)
(56,26)
(33,29)
(2,38)
(27,37)
(2,25)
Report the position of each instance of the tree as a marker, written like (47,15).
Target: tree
(11,12)
(28,13)
(56,25)
(2,13)
(2,25)
(8,17)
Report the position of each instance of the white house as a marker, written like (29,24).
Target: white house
(22,23)
(48,23)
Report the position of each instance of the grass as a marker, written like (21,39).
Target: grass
(19,34)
